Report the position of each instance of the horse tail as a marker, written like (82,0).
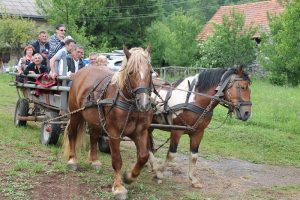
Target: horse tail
(79,141)
(66,148)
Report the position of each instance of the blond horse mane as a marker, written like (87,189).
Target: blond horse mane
(138,56)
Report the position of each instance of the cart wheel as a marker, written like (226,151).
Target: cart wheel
(50,132)
(103,144)
(22,109)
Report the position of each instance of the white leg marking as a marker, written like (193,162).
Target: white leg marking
(192,165)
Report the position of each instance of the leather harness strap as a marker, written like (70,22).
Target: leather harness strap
(191,107)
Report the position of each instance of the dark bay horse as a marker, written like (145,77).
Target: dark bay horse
(191,104)
(117,105)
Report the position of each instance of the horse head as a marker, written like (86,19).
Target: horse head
(237,92)
(137,82)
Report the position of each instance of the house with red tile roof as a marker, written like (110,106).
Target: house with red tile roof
(255,13)
(23,8)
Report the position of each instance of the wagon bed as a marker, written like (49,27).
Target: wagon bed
(37,103)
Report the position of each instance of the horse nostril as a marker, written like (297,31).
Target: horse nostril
(247,113)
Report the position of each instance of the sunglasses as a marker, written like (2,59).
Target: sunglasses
(63,30)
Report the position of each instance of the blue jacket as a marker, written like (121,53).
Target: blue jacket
(36,46)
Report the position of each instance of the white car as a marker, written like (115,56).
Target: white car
(114,59)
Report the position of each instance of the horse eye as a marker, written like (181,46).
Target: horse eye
(243,87)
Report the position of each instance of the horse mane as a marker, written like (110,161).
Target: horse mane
(138,56)
(211,77)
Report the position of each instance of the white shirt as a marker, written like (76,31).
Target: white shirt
(76,65)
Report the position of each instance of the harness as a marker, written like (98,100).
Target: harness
(129,104)
(207,111)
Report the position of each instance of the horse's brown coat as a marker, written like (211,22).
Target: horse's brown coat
(134,73)
(237,91)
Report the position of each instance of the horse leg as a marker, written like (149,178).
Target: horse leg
(94,137)
(142,157)
(174,140)
(195,140)
(150,145)
(118,189)
(72,132)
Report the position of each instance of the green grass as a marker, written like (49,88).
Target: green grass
(273,193)
(271,136)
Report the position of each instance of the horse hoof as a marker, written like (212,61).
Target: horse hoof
(157,180)
(171,164)
(120,194)
(197,185)
(72,165)
(127,178)
(96,165)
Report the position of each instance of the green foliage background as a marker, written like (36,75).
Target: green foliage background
(280,50)
(173,40)
(231,44)
(15,33)
(170,26)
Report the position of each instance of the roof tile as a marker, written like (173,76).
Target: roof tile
(24,8)
(255,13)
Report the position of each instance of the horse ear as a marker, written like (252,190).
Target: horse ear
(126,52)
(148,49)
(240,70)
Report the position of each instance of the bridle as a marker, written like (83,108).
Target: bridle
(134,92)
(224,86)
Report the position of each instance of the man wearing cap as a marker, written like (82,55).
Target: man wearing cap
(44,54)
(41,43)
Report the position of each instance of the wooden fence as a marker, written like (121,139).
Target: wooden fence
(173,73)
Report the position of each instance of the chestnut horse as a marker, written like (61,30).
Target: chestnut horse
(117,105)
(191,104)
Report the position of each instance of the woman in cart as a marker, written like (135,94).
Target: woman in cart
(26,59)
(36,67)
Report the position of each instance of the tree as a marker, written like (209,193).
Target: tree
(231,44)
(173,40)
(103,24)
(66,12)
(280,51)
(15,32)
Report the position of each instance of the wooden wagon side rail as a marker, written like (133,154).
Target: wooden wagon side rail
(34,86)
(170,127)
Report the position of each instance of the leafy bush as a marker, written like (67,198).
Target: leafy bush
(231,44)
(280,49)
(15,32)
(173,40)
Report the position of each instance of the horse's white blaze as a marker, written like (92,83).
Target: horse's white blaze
(142,75)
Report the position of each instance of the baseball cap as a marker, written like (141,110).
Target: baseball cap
(46,51)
